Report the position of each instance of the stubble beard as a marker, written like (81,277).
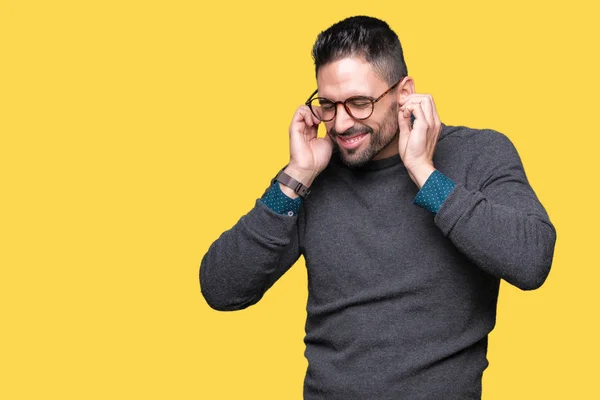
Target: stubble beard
(389,130)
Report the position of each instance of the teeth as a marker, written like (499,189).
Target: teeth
(354,139)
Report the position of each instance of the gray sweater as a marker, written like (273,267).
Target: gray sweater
(400,301)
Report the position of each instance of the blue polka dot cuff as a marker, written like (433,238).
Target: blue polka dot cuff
(279,202)
(434,192)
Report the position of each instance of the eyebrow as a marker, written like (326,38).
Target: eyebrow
(349,97)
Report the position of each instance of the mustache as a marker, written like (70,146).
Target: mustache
(352,131)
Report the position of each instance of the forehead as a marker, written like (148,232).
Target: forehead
(347,77)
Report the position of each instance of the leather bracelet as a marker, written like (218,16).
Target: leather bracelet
(297,187)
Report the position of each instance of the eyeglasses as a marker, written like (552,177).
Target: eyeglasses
(358,107)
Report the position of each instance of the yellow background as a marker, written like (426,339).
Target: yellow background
(124,123)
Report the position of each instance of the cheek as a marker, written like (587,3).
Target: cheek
(390,121)
(371,127)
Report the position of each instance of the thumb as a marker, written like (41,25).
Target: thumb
(404,122)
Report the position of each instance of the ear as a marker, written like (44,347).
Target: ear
(405,88)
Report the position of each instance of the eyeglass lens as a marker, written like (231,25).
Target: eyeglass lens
(357,107)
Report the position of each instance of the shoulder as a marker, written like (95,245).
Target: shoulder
(472,156)
(465,142)
(472,136)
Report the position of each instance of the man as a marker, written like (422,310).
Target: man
(409,226)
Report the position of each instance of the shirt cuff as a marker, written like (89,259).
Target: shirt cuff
(281,203)
(434,192)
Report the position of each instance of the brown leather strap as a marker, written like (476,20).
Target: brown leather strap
(293,184)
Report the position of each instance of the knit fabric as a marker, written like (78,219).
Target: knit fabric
(431,196)
(400,300)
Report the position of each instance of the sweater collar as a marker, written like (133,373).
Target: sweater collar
(372,165)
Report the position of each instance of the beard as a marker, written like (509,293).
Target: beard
(378,140)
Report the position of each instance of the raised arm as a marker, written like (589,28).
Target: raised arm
(247,259)
(242,264)
(499,223)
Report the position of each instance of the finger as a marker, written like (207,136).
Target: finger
(425,99)
(422,102)
(426,135)
(427,107)
(435,112)
(298,116)
(406,99)
(309,130)
(436,125)
(311,119)
(306,116)
(420,127)
(317,110)
(428,99)
(405,126)
(404,121)
(414,98)
(416,110)
(314,119)
(302,124)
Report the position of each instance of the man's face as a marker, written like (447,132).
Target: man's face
(360,141)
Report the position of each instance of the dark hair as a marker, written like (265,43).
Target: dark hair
(366,37)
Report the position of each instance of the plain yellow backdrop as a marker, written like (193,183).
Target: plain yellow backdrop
(133,133)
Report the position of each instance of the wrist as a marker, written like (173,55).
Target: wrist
(306,177)
(420,172)
(289,192)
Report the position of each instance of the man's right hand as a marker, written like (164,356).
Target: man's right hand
(309,155)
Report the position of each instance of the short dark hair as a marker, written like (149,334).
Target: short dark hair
(369,38)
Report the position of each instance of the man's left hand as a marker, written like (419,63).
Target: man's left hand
(417,143)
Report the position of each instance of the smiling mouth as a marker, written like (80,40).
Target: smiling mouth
(352,141)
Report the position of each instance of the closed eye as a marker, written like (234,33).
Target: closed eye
(359,102)
(327,105)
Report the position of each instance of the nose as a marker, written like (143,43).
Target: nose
(343,121)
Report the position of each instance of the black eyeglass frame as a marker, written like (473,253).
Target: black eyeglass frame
(371,99)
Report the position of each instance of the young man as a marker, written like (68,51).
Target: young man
(408,229)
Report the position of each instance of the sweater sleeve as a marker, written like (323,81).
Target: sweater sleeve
(245,261)
(499,223)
